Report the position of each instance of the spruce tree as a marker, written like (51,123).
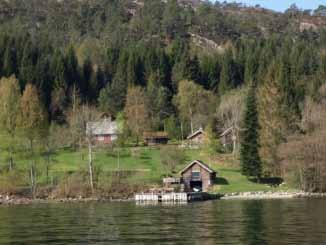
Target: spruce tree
(226,76)
(9,61)
(27,69)
(71,70)
(249,151)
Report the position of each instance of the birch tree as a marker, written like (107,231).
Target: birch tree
(137,116)
(195,104)
(9,110)
(89,114)
(33,121)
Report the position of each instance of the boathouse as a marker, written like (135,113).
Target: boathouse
(197,177)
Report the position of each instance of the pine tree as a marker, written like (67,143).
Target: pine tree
(71,63)
(58,69)
(157,100)
(249,151)
(226,75)
(9,63)
(87,71)
(112,57)
(192,69)
(172,21)
(26,69)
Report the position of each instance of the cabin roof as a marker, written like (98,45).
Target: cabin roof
(227,131)
(203,165)
(199,131)
(155,135)
(102,127)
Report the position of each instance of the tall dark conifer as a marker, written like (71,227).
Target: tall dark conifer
(226,75)
(9,60)
(72,74)
(27,69)
(85,83)
(249,151)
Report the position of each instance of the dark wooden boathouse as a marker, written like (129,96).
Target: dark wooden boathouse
(197,176)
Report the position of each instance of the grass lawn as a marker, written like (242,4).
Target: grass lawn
(146,168)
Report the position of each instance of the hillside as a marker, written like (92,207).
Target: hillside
(139,168)
(172,66)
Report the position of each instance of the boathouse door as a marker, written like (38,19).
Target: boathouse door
(196,183)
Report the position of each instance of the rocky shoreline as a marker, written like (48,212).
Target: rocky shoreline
(271,195)
(14,200)
(259,195)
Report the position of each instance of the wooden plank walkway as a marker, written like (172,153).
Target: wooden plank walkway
(174,197)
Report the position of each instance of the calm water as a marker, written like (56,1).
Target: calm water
(217,222)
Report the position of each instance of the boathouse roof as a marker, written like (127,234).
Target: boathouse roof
(203,165)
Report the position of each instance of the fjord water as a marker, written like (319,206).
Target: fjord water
(295,221)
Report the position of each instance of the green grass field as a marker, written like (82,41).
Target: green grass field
(145,165)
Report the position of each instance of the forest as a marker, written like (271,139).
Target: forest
(171,66)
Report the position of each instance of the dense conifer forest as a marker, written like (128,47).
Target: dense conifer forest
(178,66)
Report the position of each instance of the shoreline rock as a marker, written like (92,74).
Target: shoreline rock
(13,200)
(261,195)
(258,195)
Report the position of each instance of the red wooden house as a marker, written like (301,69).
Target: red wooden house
(104,131)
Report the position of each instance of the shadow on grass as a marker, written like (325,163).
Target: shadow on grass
(145,157)
(230,170)
(121,154)
(221,181)
(272,181)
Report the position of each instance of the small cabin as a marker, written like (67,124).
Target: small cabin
(197,138)
(104,131)
(197,177)
(228,138)
(155,138)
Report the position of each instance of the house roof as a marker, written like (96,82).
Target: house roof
(203,165)
(199,131)
(156,135)
(227,131)
(102,127)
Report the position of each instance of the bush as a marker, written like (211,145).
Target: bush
(11,182)
(116,185)
(73,186)
(171,156)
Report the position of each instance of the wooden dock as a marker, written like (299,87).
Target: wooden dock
(175,197)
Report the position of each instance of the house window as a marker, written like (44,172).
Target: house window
(100,138)
(195,175)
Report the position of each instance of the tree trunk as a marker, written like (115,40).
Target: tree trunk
(181,127)
(33,179)
(191,121)
(47,169)
(234,144)
(90,165)
(11,160)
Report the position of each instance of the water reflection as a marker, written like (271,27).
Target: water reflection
(214,222)
(253,225)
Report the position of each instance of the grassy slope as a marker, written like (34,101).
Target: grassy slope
(145,162)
